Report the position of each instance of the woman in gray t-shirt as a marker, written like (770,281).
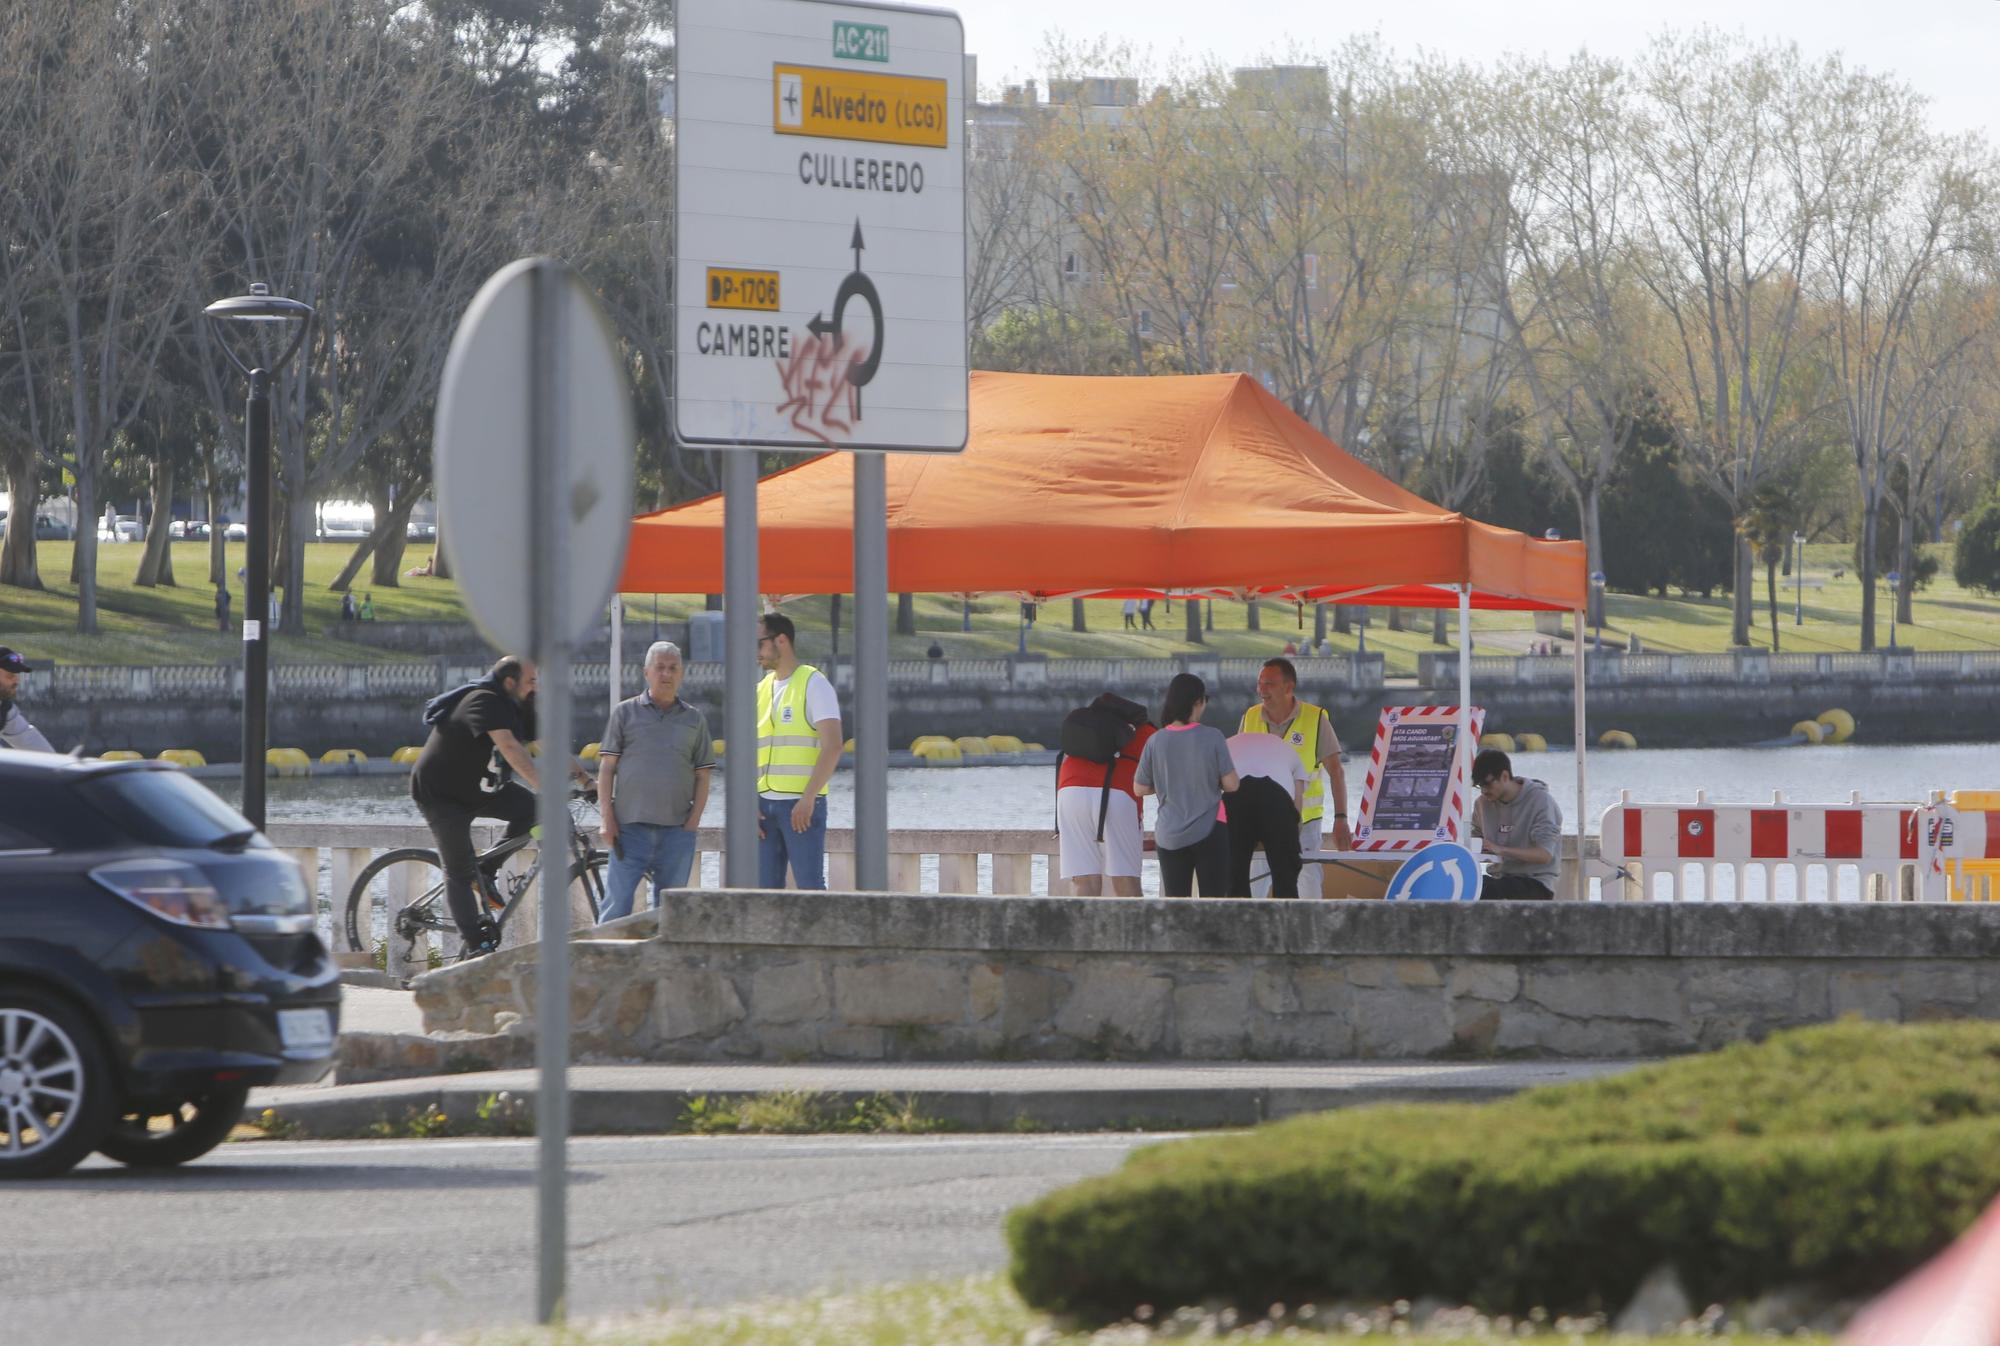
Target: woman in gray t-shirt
(1187,765)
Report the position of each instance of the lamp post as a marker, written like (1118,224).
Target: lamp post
(260,306)
(1799,579)
(1895,591)
(1597,591)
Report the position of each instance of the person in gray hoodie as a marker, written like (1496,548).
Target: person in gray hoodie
(1521,826)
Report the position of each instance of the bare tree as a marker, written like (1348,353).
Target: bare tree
(1734,198)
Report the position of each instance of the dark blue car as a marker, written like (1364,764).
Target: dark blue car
(158,959)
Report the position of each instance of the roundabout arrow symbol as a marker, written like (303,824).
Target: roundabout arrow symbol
(855,286)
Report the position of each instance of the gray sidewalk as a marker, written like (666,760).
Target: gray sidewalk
(977,1096)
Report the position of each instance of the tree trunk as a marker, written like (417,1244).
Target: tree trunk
(711,602)
(833,621)
(1319,622)
(1741,585)
(1439,635)
(218,548)
(1771,599)
(386,524)
(1870,509)
(298,527)
(1593,549)
(388,568)
(1395,619)
(18,565)
(83,564)
(1906,562)
(1343,621)
(906,614)
(156,563)
(1193,610)
(1253,619)
(440,557)
(1076,618)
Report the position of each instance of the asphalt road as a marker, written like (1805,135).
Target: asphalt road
(322,1243)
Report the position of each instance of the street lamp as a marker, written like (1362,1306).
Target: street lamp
(1895,590)
(1799,579)
(260,306)
(1597,591)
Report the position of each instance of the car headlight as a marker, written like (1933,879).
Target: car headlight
(170,889)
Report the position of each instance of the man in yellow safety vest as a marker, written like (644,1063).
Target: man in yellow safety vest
(1308,731)
(798,747)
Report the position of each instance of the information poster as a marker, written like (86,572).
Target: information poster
(1415,791)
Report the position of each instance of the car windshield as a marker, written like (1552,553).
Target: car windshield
(165,808)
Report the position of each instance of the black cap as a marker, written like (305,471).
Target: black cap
(12,662)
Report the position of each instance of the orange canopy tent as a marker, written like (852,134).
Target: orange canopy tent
(1122,487)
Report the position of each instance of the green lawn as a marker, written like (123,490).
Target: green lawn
(164,626)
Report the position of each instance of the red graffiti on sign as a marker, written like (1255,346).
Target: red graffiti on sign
(819,397)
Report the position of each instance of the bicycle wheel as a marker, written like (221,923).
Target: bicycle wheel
(407,880)
(586,880)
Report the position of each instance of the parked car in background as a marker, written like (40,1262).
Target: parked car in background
(128,529)
(420,532)
(158,959)
(47,528)
(236,532)
(188,530)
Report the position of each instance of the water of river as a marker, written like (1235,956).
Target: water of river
(1023,797)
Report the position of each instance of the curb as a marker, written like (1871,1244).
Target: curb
(657,1111)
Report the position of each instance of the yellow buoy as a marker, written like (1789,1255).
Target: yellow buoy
(1616,738)
(1504,742)
(972,745)
(287,762)
(121,755)
(1810,731)
(1530,743)
(921,741)
(1033,747)
(183,757)
(1838,724)
(942,754)
(589,753)
(847,746)
(343,757)
(1002,743)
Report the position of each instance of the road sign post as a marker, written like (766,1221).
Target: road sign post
(820,211)
(534,442)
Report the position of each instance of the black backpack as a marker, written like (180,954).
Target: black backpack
(1098,732)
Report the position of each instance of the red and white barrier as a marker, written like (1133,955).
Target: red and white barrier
(1895,851)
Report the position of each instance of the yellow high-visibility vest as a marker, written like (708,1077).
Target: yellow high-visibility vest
(1303,739)
(787,746)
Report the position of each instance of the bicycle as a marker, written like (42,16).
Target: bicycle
(404,889)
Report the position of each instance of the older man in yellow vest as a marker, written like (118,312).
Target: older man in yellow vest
(1308,731)
(798,747)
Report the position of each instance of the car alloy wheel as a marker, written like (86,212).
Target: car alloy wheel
(54,1087)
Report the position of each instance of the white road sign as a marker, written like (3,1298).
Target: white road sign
(820,208)
(486,500)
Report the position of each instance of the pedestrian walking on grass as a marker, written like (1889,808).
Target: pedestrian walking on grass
(653,770)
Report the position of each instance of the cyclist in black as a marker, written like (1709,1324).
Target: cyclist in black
(453,782)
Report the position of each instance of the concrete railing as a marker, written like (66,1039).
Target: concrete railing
(1742,666)
(420,679)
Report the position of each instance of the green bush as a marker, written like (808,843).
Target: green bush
(1846,1153)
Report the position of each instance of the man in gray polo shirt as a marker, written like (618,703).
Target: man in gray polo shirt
(652,783)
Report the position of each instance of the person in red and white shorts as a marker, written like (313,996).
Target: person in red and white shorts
(1087,862)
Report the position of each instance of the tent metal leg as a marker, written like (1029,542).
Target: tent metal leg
(1581,889)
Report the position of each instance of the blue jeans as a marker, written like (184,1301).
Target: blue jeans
(667,853)
(778,844)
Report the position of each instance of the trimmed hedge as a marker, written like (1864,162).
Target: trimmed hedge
(1847,1153)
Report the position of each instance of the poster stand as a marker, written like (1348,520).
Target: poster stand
(1416,791)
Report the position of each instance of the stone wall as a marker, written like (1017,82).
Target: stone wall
(869,977)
